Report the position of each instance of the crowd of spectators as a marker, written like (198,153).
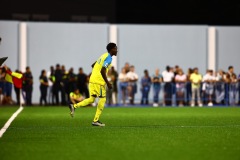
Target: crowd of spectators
(178,88)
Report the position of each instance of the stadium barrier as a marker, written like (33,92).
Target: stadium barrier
(214,94)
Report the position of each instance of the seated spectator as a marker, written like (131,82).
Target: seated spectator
(180,80)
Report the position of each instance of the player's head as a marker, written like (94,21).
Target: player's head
(112,48)
(76,91)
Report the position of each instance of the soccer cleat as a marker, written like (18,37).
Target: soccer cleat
(72,109)
(98,123)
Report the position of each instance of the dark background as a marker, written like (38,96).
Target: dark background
(212,12)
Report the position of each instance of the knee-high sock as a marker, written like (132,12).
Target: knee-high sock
(85,102)
(100,107)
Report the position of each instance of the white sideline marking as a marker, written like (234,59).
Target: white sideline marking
(5,127)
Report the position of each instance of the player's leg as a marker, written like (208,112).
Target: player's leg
(100,106)
(85,102)
(99,110)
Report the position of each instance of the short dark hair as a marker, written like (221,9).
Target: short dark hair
(110,46)
(230,67)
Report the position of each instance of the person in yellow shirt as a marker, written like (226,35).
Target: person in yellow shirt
(97,83)
(75,97)
(196,79)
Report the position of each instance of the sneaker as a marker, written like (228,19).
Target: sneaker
(98,123)
(155,105)
(210,104)
(72,109)
(192,105)
(200,105)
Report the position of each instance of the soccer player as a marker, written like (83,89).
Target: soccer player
(75,97)
(97,83)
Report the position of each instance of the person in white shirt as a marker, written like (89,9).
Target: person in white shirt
(132,84)
(208,86)
(168,76)
(123,85)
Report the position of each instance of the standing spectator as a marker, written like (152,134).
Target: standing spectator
(115,87)
(231,71)
(57,84)
(7,89)
(233,89)
(208,87)
(227,84)
(123,85)
(17,91)
(109,91)
(43,87)
(168,76)
(189,87)
(64,85)
(82,83)
(196,79)
(28,85)
(132,84)
(51,81)
(219,89)
(180,80)
(72,78)
(2,75)
(145,87)
(127,67)
(239,89)
(156,81)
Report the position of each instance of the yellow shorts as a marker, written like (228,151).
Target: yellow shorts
(97,90)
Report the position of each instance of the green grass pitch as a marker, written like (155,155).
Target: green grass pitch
(49,133)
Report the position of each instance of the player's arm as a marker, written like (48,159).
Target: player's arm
(103,73)
(72,100)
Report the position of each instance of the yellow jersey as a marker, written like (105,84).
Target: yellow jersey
(75,96)
(104,60)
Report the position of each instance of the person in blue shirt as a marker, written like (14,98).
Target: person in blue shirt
(145,87)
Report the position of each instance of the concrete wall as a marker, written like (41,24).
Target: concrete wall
(228,48)
(9,44)
(154,46)
(69,44)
